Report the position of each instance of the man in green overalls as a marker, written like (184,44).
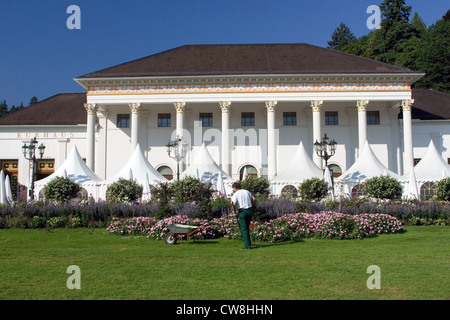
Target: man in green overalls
(242,201)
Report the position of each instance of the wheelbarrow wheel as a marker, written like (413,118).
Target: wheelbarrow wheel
(170,238)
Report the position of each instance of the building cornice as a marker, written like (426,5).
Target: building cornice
(237,79)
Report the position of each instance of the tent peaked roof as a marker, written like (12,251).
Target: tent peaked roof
(300,168)
(136,167)
(204,167)
(367,166)
(74,168)
(432,166)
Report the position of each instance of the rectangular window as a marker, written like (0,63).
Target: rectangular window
(123,120)
(289,118)
(331,118)
(164,120)
(373,117)
(247,119)
(206,119)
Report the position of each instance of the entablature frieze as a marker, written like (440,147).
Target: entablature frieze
(255,84)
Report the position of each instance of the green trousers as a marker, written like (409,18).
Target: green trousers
(245,216)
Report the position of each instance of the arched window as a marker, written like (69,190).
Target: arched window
(251,171)
(289,191)
(358,191)
(337,171)
(166,172)
(427,191)
(82,194)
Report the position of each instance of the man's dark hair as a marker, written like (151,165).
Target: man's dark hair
(237,185)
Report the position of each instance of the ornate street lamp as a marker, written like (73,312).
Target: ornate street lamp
(325,149)
(29,152)
(177,150)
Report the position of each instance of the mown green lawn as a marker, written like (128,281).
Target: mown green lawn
(33,265)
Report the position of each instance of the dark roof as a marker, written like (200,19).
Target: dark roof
(430,105)
(244,59)
(61,109)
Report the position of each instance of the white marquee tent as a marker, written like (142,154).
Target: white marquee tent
(137,168)
(365,167)
(432,167)
(300,168)
(206,169)
(76,170)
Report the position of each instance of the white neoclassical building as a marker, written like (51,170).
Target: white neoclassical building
(252,105)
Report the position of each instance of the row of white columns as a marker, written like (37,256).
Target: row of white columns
(225,107)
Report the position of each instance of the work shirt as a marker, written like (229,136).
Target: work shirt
(242,198)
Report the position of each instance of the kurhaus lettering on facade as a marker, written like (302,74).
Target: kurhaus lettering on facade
(45,135)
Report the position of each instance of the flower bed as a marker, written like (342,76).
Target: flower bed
(328,225)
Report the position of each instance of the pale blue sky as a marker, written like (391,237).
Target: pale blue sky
(40,56)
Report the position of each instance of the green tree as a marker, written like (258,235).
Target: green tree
(395,31)
(3,108)
(434,58)
(409,55)
(359,47)
(33,100)
(15,109)
(341,37)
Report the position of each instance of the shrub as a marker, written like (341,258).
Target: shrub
(273,208)
(37,222)
(185,190)
(57,222)
(162,195)
(383,187)
(443,189)
(220,206)
(313,189)
(124,190)
(256,185)
(61,189)
(193,190)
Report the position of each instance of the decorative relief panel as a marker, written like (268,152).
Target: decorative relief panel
(251,88)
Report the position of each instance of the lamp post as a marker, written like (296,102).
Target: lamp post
(325,149)
(29,152)
(177,150)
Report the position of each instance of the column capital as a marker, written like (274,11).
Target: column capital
(91,108)
(270,105)
(316,104)
(179,106)
(407,104)
(225,106)
(362,104)
(134,107)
